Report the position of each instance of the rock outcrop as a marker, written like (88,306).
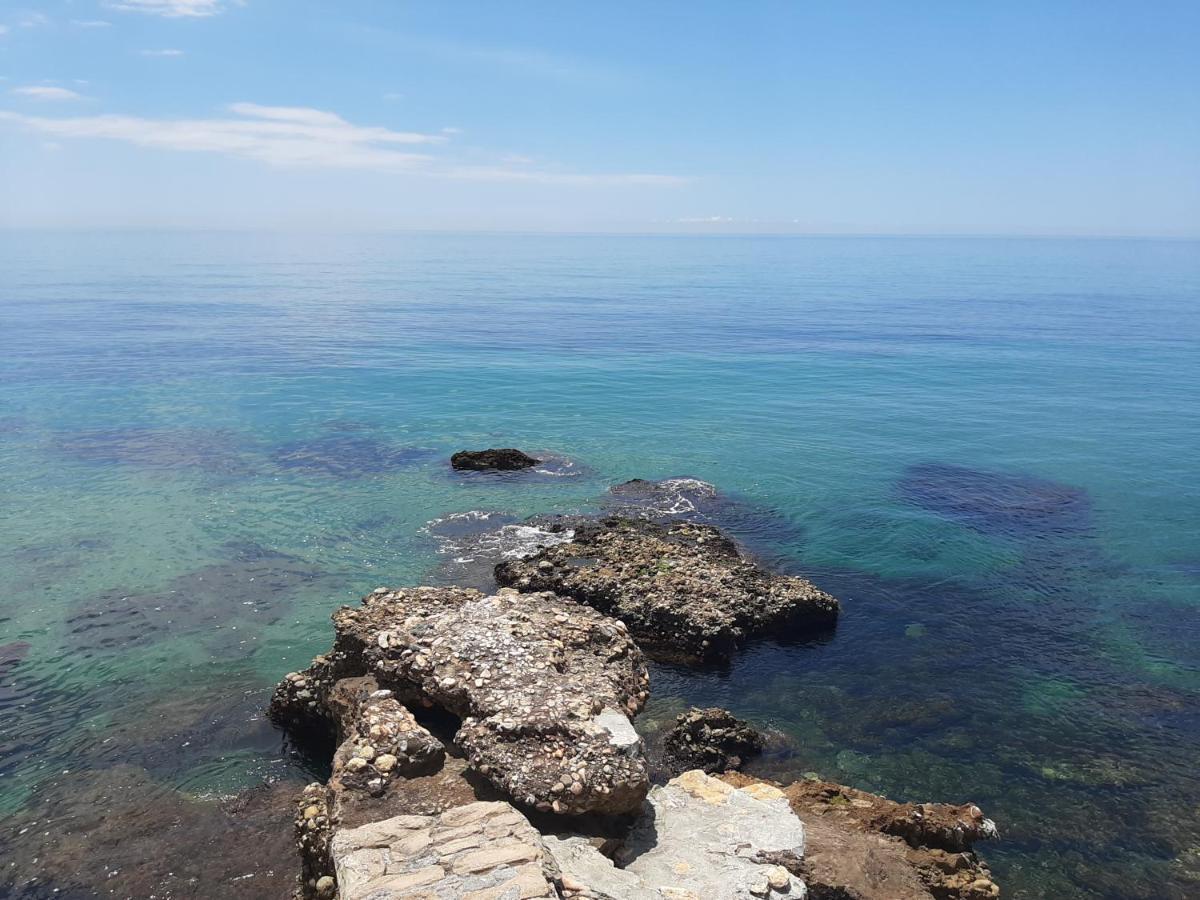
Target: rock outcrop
(505,459)
(698,837)
(712,740)
(545,689)
(682,588)
(865,847)
(481,851)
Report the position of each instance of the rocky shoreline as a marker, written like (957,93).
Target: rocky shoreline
(485,745)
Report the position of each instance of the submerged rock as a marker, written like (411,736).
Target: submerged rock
(122,833)
(865,847)
(712,740)
(505,459)
(681,587)
(346,455)
(545,688)
(212,451)
(1015,505)
(697,837)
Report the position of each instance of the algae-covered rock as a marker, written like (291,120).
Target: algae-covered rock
(505,459)
(682,588)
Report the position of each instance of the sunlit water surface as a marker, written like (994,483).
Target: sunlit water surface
(987,448)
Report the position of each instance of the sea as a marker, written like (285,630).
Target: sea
(987,448)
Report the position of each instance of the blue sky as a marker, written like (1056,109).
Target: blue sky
(945,117)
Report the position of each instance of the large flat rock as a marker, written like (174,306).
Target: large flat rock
(480,851)
(698,838)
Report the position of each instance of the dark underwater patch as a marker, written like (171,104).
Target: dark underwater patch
(120,832)
(11,425)
(253,584)
(347,454)
(212,451)
(1011,505)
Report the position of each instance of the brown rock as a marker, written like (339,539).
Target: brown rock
(861,846)
(682,588)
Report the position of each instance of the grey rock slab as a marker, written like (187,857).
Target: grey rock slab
(480,851)
(697,838)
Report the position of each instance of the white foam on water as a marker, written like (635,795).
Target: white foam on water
(505,542)
(678,496)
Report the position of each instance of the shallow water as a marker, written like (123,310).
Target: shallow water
(987,448)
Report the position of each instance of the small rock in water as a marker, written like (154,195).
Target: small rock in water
(506,459)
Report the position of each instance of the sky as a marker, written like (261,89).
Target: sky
(1050,117)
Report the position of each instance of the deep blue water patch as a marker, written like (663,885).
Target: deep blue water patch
(1011,505)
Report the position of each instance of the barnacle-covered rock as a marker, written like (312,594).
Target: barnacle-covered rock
(545,688)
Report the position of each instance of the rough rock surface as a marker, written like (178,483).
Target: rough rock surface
(545,688)
(712,740)
(481,851)
(698,837)
(680,587)
(865,847)
(505,459)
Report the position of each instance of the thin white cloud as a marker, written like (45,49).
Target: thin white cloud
(504,173)
(45,92)
(282,136)
(300,136)
(90,23)
(3,30)
(33,20)
(164,52)
(170,9)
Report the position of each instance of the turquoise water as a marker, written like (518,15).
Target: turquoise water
(987,448)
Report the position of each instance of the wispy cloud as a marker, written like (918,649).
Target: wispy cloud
(33,20)
(166,52)
(3,30)
(171,9)
(90,23)
(576,179)
(45,92)
(301,136)
(526,61)
(284,136)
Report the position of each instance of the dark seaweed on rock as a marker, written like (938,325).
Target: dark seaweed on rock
(1012,505)
(682,588)
(504,459)
(347,455)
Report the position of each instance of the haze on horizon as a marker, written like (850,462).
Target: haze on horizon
(1018,118)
